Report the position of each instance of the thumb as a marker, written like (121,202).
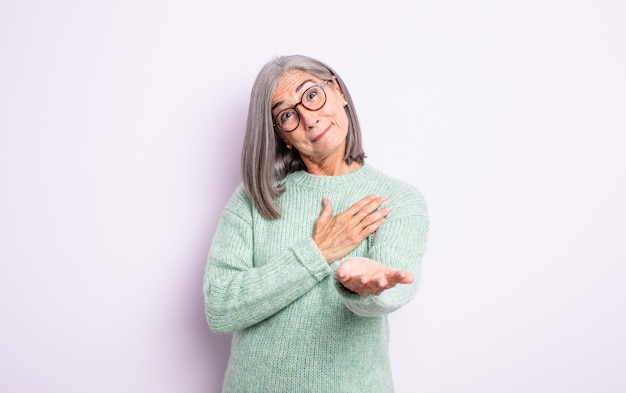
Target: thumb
(327,210)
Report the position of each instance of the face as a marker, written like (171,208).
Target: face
(321,134)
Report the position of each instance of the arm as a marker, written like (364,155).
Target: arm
(394,255)
(238,294)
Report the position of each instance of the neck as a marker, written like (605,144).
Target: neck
(331,169)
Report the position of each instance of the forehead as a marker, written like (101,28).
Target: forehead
(291,83)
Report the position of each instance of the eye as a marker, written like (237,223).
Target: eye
(286,115)
(311,94)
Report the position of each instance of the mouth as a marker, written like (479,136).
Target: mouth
(320,135)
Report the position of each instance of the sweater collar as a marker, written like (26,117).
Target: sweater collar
(305,179)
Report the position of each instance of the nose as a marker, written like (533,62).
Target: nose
(308,118)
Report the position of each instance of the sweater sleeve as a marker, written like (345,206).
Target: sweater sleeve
(399,243)
(237,293)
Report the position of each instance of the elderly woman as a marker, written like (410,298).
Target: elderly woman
(315,248)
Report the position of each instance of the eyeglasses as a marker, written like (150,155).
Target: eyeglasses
(313,99)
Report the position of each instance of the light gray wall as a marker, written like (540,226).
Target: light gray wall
(120,132)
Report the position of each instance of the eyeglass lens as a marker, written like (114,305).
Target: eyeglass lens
(313,99)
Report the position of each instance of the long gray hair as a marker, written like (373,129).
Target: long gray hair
(265,160)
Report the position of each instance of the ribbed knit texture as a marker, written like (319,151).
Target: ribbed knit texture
(296,329)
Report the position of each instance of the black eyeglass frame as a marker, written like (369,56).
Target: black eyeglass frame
(321,86)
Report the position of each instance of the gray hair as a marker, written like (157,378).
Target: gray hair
(265,161)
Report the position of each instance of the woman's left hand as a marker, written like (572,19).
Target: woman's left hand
(368,277)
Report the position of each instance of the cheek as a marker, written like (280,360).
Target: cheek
(291,138)
(338,112)
(343,118)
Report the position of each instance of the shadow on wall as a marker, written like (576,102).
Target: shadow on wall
(219,350)
(223,176)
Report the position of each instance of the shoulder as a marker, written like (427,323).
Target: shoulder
(240,203)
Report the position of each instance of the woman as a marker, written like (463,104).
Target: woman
(315,248)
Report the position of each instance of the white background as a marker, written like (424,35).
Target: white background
(120,131)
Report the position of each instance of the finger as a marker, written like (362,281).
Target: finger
(366,292)
(401,277)
(325,216)
(406,277)
(352,219)
(360,292)
(327,210)
(378,292)
(371,208)
(344,270)
(363,202)
(371,228)
(367,204)
(354,286)
(375,217)
(362,280)
(370,291)
(357,283)
(343,277)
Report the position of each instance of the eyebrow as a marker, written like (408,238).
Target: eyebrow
(297,89)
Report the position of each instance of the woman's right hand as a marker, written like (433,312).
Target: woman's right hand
(337,235)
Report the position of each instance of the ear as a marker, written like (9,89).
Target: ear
(280,137)
(337,85)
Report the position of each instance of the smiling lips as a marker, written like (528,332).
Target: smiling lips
(317,138)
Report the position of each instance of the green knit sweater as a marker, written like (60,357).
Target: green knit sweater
(296,328)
